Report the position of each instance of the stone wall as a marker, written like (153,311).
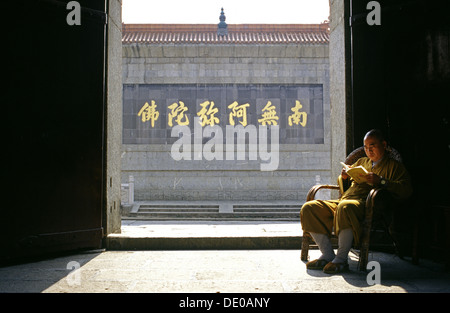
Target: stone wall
(303,159)
(339,79)
(112,218)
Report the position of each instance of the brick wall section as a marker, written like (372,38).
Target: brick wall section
(159,177)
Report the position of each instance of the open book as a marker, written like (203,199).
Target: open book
(357,173)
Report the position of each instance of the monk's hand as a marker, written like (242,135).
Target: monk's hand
(373,179)
(344,174)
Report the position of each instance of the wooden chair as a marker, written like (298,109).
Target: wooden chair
(376,203)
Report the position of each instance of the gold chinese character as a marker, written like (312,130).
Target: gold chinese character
(270,115)
(297,117)
(149,113)
(178,112)
(207,115)
(239,111)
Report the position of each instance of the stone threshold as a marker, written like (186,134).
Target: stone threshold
(205,235)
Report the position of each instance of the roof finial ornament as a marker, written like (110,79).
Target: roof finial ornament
(222,27)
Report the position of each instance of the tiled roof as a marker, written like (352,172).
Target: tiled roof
(237,34)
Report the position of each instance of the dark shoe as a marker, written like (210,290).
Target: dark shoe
(335,268)
(317,264)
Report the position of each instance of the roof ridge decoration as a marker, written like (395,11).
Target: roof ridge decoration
(222,27)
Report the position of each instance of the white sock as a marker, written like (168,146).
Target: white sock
(345,244)
(324,243)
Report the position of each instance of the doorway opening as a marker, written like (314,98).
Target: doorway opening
(168,69)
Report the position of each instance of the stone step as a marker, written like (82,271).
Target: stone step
(203,243)
(168,209)
(202,215)
(267,210)
(283,210)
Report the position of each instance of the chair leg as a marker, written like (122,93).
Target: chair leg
(394,240)
(364,250)
(415,247)
(363,258)
(305,246)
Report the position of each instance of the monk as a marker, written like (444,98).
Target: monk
(345,215)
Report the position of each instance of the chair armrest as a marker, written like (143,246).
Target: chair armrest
(370,200)
(376,197)
(381,203)
(314,189)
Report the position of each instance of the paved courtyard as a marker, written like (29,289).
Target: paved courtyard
(215,270)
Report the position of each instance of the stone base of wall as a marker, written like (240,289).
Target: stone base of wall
(157,176)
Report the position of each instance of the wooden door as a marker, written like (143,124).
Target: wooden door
(53,128)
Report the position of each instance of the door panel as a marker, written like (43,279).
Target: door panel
(53,129)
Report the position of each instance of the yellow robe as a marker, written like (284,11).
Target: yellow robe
(399,183)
